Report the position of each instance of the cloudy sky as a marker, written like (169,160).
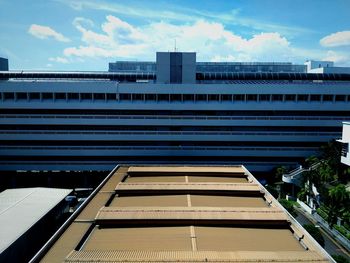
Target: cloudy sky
(87,34)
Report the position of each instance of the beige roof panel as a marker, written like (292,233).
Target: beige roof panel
(216,179)
(142,238)
(227,201)
(150,179)
(191,213)
(68,241)
(115,179)
(245,239)
(188,200)
(189,186)
(150,200)
(95,204)
(193,256)
(233,170)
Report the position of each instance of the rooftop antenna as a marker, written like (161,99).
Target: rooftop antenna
(175,49)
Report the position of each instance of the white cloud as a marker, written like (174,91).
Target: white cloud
(336,39)
(82,20)
(59,60)
(44,32)
(119,39)
(171,12)
(340,58)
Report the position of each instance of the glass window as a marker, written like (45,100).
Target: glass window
(340,97)
(213,97)
(99,96)
(238,97)
(303,97)
(201,97)
(315,97)
(34,96)
(125,96)
(327,97)
(252,97)
(73,96)
(188,97)
(226,97)
(137,96)
(21,95)
(264,97)
(163,97)
(175,97)
(47,96)
(111,96)
(151,97)
(86,96)
(290,97)
(277,97)
(9,95)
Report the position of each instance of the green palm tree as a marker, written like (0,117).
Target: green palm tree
(338,194)
(339,199)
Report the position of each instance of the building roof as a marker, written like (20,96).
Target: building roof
(174,214)
(21,208)
(200,76)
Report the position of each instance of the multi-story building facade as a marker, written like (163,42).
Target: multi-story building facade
(176,114)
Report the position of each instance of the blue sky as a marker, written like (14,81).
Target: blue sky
(87,34)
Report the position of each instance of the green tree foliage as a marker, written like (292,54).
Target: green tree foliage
(272,190)
(340,259)
(338,194)
(315,233)
(289,206)
(338,202)
(302,194)
(311,160)
(346,218)
(279,171)
(332,152)
(327,172)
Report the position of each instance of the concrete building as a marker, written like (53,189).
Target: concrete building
(345,141)
(322,67)
(175,114)
(4,64)
(181,214)
(27,215)
(317,64)
(248,67)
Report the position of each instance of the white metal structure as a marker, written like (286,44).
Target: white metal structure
(22,208)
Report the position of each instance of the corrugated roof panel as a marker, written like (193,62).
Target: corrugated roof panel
(191,213)
(189,186)
(195,220)
(187,169)
(193,256)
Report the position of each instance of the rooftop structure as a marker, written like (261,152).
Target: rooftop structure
(181,214)
(237,67)
(325,67)
(4,64)
(176,114)
(315,64)
(22,219)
